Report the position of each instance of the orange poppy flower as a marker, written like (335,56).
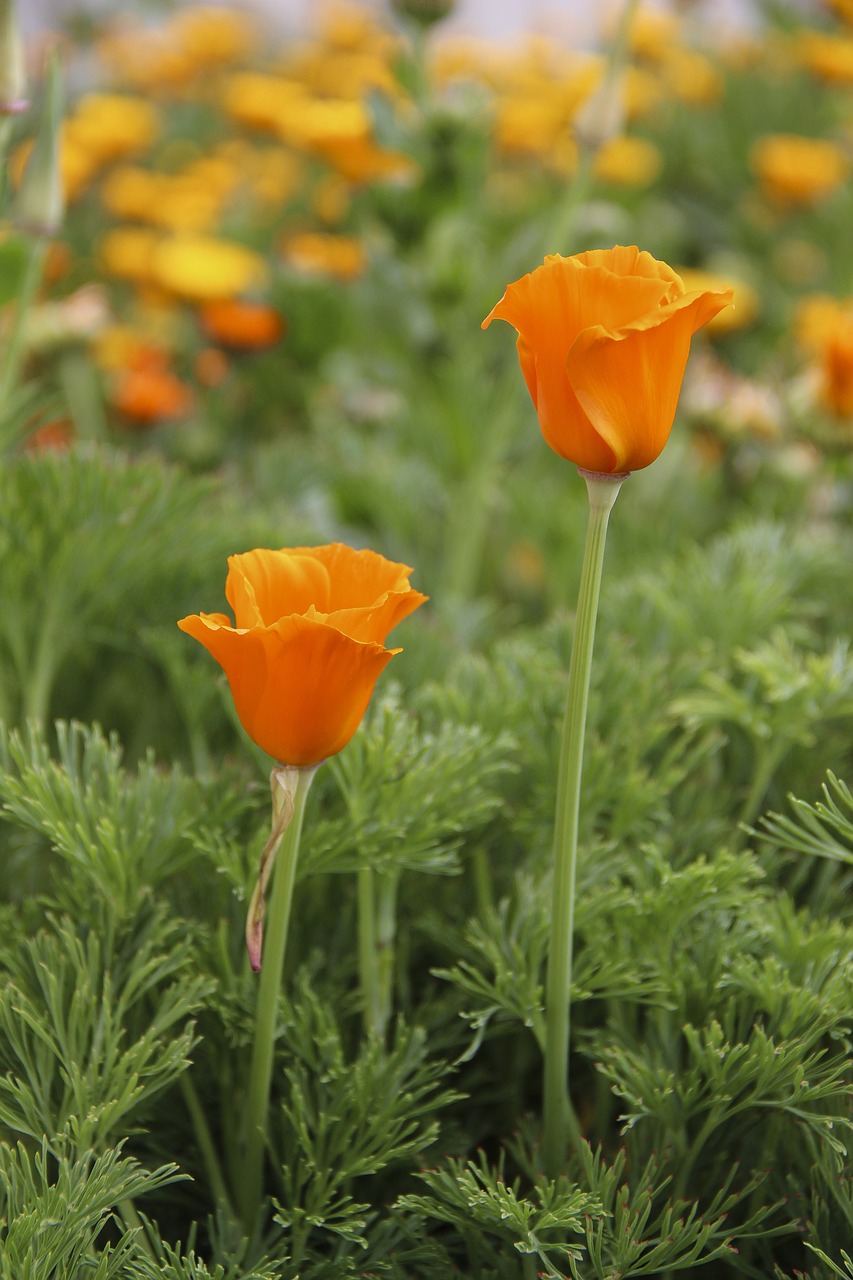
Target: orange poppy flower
(307,644)
(603,340)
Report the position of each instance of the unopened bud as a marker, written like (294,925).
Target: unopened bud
(424,12)
(40,202)
(13,79)
(602,115)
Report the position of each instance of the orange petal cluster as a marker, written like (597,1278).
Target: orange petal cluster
(603,340)
(307,643)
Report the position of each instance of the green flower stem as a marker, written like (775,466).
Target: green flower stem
(368,967)
(386,935)
(471,510)
(768,758)
(377,931)
(250,1187)
(205,1141)
(15,345)
(558,1117)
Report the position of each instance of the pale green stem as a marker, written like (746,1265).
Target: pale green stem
(14,346)
(558,1117)
(766,765)
(472,508)
(483,895)
(368,968)
(205,1141)
(131,1219)
(579,189)
(386,933)
(250,1187)
(561,229)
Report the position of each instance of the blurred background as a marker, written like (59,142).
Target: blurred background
(577,20)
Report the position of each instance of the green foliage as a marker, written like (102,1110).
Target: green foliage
(116,835)
(712,980)
(91,1032)
(487,1211)
(54,1211)
(86,541)
(410,792)
(823,830)
(345,1121)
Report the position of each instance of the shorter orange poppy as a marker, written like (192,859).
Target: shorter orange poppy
(307,644)
(603,341)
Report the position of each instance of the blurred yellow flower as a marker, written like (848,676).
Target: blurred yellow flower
(343,74)
(844,9)
(829,57)
(318,253)
(530,125)
(692,78)
(147,60)
(331,200)
(203,268)
(652,33)
(111,126)
(131,193)
(213,37)
(741,311)
(341,133)
(125,252)
(796,171)
(642,93)
(628,162)
(817,317)
(261,101)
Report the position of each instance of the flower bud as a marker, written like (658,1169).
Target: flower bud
(13,81)
(423,12)
(40,201)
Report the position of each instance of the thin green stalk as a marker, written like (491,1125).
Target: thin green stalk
(558,1117)
(205,1142)
(770,756)
(386,934)
(368,967)
(14,347)
(482,872)
(132,1221)
(603,108)
(250,1187)
(471,511)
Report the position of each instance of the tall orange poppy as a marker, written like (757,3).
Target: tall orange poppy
(603,341)
(307,644)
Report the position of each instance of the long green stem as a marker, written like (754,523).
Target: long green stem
(468,525)
(368,968)
(15,345)
(386,935)
(206,1145)
(558,1117)
(297,782)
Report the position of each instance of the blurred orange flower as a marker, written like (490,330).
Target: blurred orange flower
(240,325)
(603,340)
(146,392)
(836,367)
(307,645)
